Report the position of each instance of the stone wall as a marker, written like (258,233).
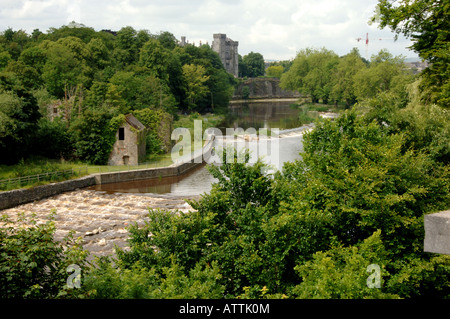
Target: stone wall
(17,197)
(437,233)
(263,88)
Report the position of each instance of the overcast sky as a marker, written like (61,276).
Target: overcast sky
(277,29)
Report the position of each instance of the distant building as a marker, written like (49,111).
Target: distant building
(417,66)
(129,148)
(228,52)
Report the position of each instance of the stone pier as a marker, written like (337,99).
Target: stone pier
(437,233)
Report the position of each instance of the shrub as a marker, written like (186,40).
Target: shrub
(32,263)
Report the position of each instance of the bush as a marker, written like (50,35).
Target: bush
(32,263)
(137,282)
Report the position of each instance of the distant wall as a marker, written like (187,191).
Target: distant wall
(17,197)
(262,88)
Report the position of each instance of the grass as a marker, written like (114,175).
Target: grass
(35,166)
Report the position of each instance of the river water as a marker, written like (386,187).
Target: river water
(270,115)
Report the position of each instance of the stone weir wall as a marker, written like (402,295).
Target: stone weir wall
(263,88)
(9,199)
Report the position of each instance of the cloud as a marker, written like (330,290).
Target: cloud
(276,29)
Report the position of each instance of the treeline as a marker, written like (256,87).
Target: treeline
(326,77)
(88,77)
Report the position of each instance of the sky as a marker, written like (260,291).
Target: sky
(277,29)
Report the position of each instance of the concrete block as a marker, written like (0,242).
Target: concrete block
(437,233)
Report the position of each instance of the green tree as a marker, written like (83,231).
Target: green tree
(275,71)
(62,70)
(253,65)
(34,57)
(93,136)
(194,78)
(19,114)
(27,75)
(341,272)
(167,40)
(126,41)
(98,52)
(312,73)
(426,23)
(343,89)
(220,83)
(33,265)
(383,74)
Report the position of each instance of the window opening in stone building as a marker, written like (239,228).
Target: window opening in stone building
(121,133)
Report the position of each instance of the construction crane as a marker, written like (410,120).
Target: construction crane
(367,42)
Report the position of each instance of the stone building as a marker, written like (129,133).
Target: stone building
(129,148)
(228,52)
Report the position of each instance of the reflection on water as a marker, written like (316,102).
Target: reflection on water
(198,181)
(279,115)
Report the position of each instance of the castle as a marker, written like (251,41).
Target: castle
(228,52)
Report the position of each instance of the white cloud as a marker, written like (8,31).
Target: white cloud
(276,29)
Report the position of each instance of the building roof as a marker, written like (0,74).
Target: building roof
(134,122)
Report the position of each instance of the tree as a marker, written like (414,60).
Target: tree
(384,73)
(93,135)
(19,114)
(27,75)
(275,71)
(167,40)
(343,89)
(426,22)
(98,52)
(194,78)
(63,69)
(253,65)
(220,83)
(312,73)
(35,57)
(127,42)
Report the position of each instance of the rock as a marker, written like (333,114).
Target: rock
(102,242)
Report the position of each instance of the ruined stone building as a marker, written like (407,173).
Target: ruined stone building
(129,148)
(228,52)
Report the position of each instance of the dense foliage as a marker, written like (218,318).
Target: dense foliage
(87,77)
(426,23)
(324,76)
(251,65)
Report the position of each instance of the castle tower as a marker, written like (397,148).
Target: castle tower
(228,52)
